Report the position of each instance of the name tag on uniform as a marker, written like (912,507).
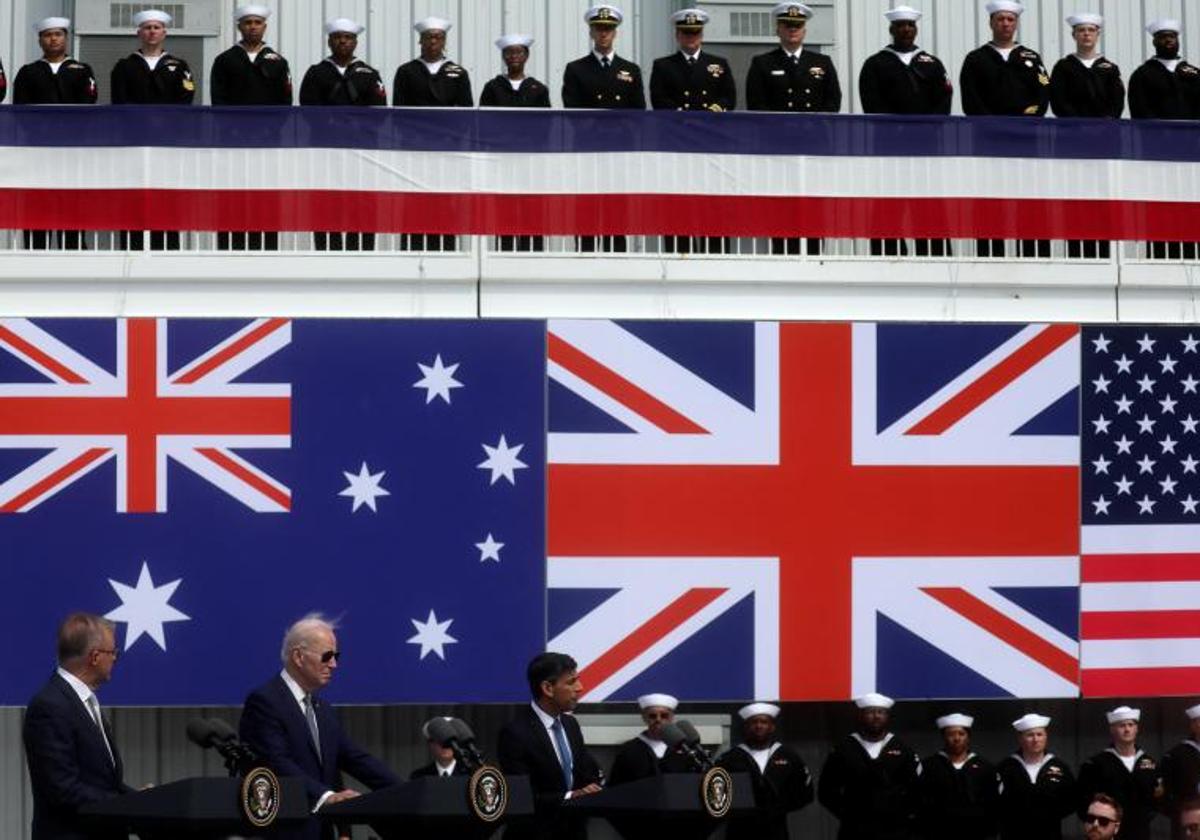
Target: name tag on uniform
(777,72)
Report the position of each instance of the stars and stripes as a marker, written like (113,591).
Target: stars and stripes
(1139,624)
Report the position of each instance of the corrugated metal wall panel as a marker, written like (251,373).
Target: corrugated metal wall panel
(951,29)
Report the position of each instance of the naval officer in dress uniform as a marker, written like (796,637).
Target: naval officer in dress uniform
(790,78)
(780,777)
(1085,83)
(691,79)
(958,788)
(869,782)
(1037,789)
(1124,772)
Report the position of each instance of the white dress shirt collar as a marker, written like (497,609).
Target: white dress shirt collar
(294,687)
(78,686)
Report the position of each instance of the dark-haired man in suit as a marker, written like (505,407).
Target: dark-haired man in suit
(298,735)
(544,742)
(442,761)
(73,760)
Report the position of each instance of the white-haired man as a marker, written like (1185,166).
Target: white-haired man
(299,735)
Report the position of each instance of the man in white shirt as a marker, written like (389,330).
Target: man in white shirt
(73,759)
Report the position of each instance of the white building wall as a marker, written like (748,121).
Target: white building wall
(951,29)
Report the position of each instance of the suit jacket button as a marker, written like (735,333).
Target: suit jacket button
(687,93)
(808,90)
(618,97)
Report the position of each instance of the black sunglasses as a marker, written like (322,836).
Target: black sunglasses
(1103,822)
(335,655)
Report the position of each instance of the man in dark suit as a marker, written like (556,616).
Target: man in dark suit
(297,734)
(73,759)
(544,742)
(442,761)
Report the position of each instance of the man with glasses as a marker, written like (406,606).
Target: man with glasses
(646,755)
(299,735)
(1102,818)
(73,759)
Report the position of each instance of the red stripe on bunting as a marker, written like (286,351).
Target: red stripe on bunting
(696,214)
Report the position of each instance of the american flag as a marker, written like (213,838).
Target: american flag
(1140,625)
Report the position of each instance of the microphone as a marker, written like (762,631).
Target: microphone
(441,731)
(683,738)
(214,733)
(466,737)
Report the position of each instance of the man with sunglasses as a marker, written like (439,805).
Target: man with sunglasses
(1102,818)
(646,755)
(297,734)
(73,759)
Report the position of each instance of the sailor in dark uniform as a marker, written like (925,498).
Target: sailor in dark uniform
(902,78)
(602,79)
(1003,77)
(780,777)
(791,78)
(1124,772)
(646,755)
(54,79)
(691,79)
(442,761)
(870,780)
(341,79)
(1086,84)
(152,76)
(1180,769)
(958,788)
(431,81)
(1166,87)
(250,73)
(1037,789)
(514,89)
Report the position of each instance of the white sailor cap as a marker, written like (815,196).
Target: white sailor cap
(874,701)
(1162,25)
(425,726)
(432,23)
(956,719)
(343,25)
(1085,19)
(1013,6)
(1122,713)
(514,40)
(666,701)
(1030,721)
(251,10)
(603,15)
(51,23)
(755,709)
(903,13)
(791,12)
(1193,712)
(690,19)
(152,16)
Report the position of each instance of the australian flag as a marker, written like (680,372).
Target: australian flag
(204,483)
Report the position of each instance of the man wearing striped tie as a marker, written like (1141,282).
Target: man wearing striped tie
(297,734)
(73,760)
(545,743)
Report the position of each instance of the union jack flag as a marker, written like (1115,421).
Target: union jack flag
(820,467)
(81,414)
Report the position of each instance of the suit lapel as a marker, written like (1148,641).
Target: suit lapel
(88,723)
(296,715)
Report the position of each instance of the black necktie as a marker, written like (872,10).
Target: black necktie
(691,60)
(795,59)
(604,62)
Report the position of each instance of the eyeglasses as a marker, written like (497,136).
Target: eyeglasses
(328,655)
(112,652)
(1102,821)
